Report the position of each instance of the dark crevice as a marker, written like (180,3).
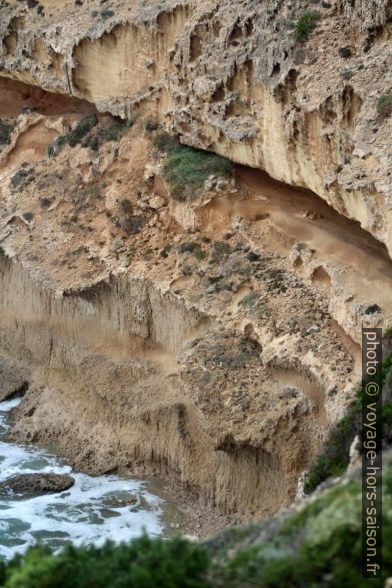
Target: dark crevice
(19,392)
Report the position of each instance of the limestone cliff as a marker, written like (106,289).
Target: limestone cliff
(232,78)
(207,333)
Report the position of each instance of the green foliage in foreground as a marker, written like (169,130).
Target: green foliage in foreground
(334,459)
(144,563)
(306,24)
(186,170)
(318,546)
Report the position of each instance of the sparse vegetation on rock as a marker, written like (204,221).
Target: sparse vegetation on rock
(107,14)
(5,132)
(384,105)
(165,142)
(82,128)
(75,136)
(22,177)
(166,250)
(186,169)
(192,247)
(151,124)
(220,250)
(306,24)
(89,134)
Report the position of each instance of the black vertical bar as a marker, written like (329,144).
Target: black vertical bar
(372,453)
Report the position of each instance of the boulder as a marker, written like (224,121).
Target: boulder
(31,485)
(156,202)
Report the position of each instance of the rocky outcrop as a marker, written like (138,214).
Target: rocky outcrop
(30,485)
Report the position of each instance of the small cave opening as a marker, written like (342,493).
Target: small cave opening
(310,219)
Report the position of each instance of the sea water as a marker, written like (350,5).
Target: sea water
(93,510)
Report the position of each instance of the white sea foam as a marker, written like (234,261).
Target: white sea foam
(93,510)
(9,404)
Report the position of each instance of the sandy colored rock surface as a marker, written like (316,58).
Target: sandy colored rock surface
(213,341)
(13,378)
(232,78)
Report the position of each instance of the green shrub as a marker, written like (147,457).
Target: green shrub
(335,457)
(107,14)
(347,74)
(221,249)
(75,136)
(384,105)
(186,170)
(22,177)
(83,127)
(215,279)
(188,247)
(166,250)
(5,132)
(151,124)
(85,135)
(306,24)
(235,357)
(192,247)
(165,142)
(91,141)
(250,299)
(316,546)
(114,131)
(144,563)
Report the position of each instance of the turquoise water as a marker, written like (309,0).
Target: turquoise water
(93,510)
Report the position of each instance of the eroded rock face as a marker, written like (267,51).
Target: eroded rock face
(211,339)
(13,378)
(30,485)
(233,79)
